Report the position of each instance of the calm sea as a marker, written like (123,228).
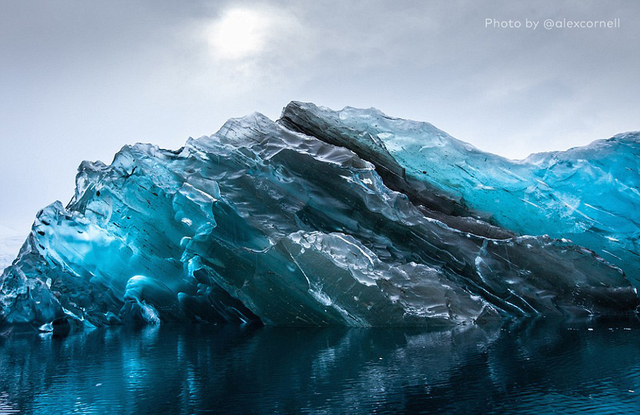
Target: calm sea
(534,367)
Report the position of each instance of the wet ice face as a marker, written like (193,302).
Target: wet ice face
(321,219)
(588,195)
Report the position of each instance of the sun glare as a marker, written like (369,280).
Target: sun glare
(239,34)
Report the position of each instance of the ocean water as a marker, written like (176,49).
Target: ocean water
(533,367)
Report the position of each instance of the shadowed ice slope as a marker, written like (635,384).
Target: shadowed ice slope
(589,195)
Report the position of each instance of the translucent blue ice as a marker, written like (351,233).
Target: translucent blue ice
(589,195)
(322,218)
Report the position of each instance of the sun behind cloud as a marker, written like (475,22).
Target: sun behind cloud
(240,33)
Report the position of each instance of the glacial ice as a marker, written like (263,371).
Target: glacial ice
(333,218)
(589,195)
(10,242)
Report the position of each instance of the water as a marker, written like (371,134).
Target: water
(537,367)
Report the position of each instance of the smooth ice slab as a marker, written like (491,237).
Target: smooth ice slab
(589,195)
(312,220)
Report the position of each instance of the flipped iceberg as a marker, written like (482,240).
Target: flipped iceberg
(325,218)
(589,195)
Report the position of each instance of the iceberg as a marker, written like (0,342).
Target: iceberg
(325,217)
(589,195)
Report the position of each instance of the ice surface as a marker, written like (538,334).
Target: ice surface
(588,195)
(283,223)
(10,242)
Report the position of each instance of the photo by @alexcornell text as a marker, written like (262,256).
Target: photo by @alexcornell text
(550,24)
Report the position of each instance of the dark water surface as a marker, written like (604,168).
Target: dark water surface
(537,367)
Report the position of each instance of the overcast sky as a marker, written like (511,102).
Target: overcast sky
(79,79)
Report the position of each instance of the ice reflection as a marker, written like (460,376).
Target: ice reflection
(525,367)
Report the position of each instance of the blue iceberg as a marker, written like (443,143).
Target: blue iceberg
(346,218)
(589,195)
